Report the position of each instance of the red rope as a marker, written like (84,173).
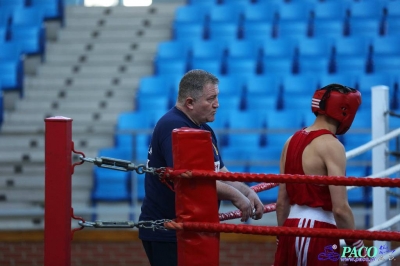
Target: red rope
(286,178)
(284,231)
(237,214)
(264,186)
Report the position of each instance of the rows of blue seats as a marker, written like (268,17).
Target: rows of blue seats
(358,55)
(22,32)
(263,52)
(286,18)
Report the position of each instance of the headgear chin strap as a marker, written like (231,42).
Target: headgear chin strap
(338,102)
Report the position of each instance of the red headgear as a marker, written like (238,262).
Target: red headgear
(338,102)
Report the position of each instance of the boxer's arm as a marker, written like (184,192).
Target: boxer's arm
(335,160)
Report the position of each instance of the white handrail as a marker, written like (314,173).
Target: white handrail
(367,146)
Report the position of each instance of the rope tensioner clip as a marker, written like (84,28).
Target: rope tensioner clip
(118,164)
(158,224)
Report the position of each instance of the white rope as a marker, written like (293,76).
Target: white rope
(385,258)
(385,173)
(367,146)
(386,224)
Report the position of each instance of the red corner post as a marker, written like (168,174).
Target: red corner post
(195,200)
(57,233)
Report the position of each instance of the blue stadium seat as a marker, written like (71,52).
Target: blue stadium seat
(111,185)
(363,116)
(327,28)
(11,67)
(257,30)
(352,46)
(355,195)
(304,84)
(223,31)
(386,64)
(314,65)
(392,26)
(206,3)
(28,30)
(241,66)
(344,79)
(315,47)
(354,140)
(314,56)
(248,140)
(136,143)
(281,47)
(170,66)
(369,27)
(189,32)
(386,45)
(392,9)
(261,102)
(299,104)
(294,11)
(293,28)
(5,16)
(12,4)
(140,120)
(150,86)
(233,154)
(230,85)
(3,34)
(211,65)
(31,39)
(229,12)
(351,65)
(229,103)
(277,66)
(329,10)
(161,103)
(269,153)
(122,154)
(191,14)
(365,9)
(52,9)
(246,120)
(258,85)
(365,82)
(208,49)
(236,2)
(140,187)
(243,49)
(260,12)
(172,50)
(283,119)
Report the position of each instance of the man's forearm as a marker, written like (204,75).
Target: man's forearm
(242,187)
(226,191)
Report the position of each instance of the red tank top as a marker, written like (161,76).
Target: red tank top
(305,194)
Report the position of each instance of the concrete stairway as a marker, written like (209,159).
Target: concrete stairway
(91,74)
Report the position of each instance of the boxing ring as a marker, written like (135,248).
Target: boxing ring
(198,223)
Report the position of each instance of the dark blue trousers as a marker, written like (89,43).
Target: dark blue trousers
(161,253)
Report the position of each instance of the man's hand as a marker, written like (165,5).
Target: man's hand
(244,205)
(258,205)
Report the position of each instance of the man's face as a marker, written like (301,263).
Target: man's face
(205,107)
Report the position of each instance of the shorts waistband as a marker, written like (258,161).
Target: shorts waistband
(318,214)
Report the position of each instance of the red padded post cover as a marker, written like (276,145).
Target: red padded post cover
(195,199)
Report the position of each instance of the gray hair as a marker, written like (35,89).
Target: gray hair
(193,82)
